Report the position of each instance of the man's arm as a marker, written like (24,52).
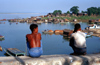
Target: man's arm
(26,38)
(0,48)
(40,36)
(71,41)
(27,43)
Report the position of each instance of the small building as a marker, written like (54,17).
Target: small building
(91,21)
(97,21)
(79,14)
(66,20)
(74,20)
(85,14)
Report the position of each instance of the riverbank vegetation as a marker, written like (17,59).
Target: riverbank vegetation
(74,13)
(79,18)
(92,11)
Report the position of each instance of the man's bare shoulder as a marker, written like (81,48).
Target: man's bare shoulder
(39,33)
(28,35)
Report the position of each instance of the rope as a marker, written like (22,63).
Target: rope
(26,48)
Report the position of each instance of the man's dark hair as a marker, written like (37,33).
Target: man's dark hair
(33,26)
(77,26)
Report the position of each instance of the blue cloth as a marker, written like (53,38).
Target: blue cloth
(35,52)
(79,50)
(28,46)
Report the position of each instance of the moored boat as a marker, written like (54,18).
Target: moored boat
(58,31)
(89,34)
(39,22)
(63,22)
(1,37)
(94,26)
(14,52)
(47,31)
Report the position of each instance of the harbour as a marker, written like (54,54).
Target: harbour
(52,43)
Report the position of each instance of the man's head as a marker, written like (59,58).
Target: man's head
(34,27)
(77,27)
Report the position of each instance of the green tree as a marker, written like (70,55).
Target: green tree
(74,9)
(83,12)
(92,10)
(57,12)
(98,10)
(89,11)
(68,12)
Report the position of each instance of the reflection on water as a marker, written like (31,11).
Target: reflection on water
(47,33)
(66,38)
(52,43)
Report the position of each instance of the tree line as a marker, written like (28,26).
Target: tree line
(90,11)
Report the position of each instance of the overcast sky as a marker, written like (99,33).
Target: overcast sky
(37,6)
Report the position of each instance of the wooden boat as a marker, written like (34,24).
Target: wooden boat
(94,26)
(39,22)
(58,31)
(47,31)
(62,22)
(1,37)
(66,31)
(89,34)
(15,52)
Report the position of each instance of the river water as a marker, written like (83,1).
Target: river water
(52,44)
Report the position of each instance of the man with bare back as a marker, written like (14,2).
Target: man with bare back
(34,41)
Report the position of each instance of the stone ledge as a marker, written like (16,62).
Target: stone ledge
(90,59)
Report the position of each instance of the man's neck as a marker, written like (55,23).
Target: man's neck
(34,32)
(78,30)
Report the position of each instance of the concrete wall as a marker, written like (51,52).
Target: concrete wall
(92,59)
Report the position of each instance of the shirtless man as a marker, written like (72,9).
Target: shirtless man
(34,41)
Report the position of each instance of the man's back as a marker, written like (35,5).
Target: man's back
(34,40)
(79,39)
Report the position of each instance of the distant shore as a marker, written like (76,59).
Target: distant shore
(79,18)
(19,13)
(54,18)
